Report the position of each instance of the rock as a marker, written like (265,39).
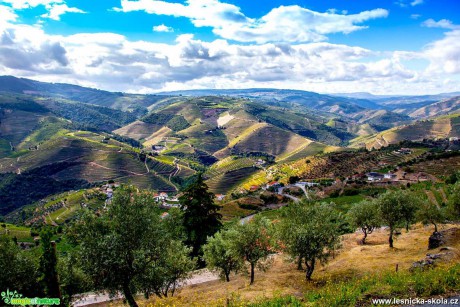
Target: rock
(422,264)
(433,256)
(445,249)
(435,240)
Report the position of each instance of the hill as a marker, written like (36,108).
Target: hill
(282,97)
(117,100)
(440,127)
(446,106)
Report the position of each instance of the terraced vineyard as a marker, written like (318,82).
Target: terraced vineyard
(227,181)
(337,164)
(228,164)
(440,168)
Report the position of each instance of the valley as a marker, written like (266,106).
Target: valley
(66,154)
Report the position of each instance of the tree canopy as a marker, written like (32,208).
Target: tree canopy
(126,248)
(201,218)
(310,232)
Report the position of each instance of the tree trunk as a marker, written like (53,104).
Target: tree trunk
(407,227)
(129,296)
(299,264)
(364,238)
(435,227)
(252,273)
(390,240)
(310,268)
(227,276)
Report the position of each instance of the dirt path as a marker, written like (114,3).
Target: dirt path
(112,169)
(90,298)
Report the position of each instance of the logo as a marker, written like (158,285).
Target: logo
(14,298)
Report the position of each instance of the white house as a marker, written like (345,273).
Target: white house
(373,176)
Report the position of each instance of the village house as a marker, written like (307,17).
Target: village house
(220,197)
(390,176)
(306,184)
(373,176)
(273,184)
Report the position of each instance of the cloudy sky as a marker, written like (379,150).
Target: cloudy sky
(327,46)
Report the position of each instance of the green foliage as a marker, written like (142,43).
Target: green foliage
(172,268)
(48,265)
(72,279)
(359,290)
(201,217)
(20,190)
(397,208)
(366,216)
(454,201)
(309,232)
(18,269)
(125,248)
(429,213)
(219,255)
(253,242)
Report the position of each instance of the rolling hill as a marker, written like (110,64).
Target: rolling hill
(440,127)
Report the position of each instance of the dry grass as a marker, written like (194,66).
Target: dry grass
(282,278)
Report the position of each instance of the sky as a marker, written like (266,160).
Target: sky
(146,46)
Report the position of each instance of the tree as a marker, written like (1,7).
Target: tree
(201,217)
(454,200)
(430,214)
(18,269)
(48,265)
(120,249)
(253,242)
(410,204)
(219,255)
(365,215)
(309,232)
(391,206)
(172,268)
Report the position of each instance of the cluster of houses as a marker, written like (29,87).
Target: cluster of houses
(403,151)
(374,176)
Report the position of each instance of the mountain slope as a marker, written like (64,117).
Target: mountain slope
(441,127)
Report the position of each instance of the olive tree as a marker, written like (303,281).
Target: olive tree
(123,249)
(252,242)
(219,255)
(310,232)
(397,209)
(431,214)
(365,216)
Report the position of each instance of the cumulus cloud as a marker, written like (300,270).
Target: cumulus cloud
(444,54)
(443,23)
(55,11)
(7,14)
(113,62)
(55,8)
(162,28)
(417,2)
(283,24)
(25,4)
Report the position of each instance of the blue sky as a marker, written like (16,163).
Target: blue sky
(383,47)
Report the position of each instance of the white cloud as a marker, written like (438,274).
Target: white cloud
(444,54)
(55,8)
(415,16)
(25,4)
(162,28)
(443,23)
(283,24)
(7,14)
(113,62)
(55,11)
(407,3)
